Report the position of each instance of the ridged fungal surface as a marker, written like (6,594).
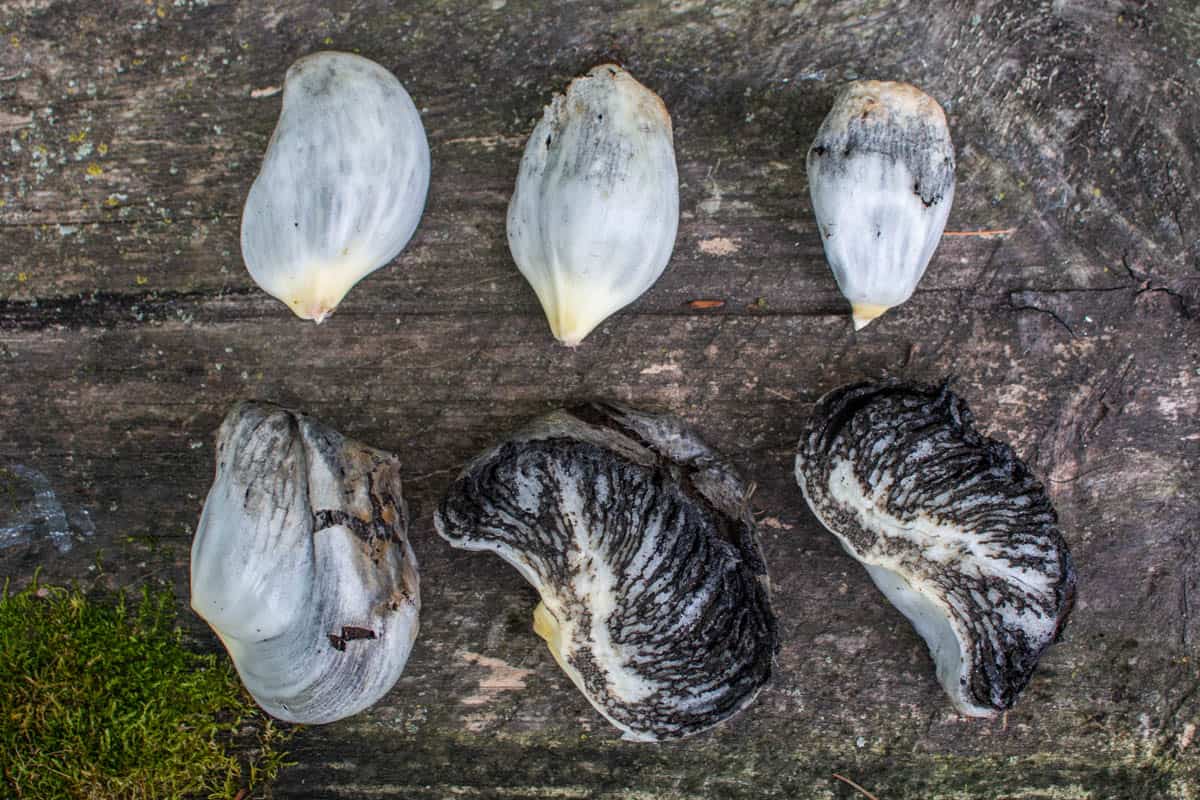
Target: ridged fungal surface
(881,178)
(951,526)
(342,185)
(638,537)
(301,565)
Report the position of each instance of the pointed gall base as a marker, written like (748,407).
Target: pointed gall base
(863,313)
(575,314)
(546,626)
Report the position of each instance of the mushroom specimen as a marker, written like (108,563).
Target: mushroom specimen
(301,565)
(342,185)
(592,220)
(638,537)
(950,525)
(881,178)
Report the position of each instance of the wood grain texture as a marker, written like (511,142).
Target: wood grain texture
(130,133)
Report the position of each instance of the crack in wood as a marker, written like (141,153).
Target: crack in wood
(1012,304)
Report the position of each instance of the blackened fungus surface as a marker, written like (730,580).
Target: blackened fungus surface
(639,541)
(951,525)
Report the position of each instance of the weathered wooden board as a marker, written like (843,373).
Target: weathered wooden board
(130,132)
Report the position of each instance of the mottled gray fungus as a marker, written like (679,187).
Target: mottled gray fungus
(639,539)
(951,526)
(881,179)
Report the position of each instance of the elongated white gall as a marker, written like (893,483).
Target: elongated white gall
(881,178)
(592,221)
(342,185)
(301,565)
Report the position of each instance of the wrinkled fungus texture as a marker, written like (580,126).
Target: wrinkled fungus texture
(951,526)
(638,538)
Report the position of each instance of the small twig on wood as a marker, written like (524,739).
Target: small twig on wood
(509,275)
(488,141)
(864,792)
(982,234)
(428,475)
(241,795)
(779,394)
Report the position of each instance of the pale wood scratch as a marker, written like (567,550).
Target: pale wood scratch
(984,234)
(501,677)
(11,122)
(488,141)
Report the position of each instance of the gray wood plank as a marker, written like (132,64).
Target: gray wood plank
(128,326)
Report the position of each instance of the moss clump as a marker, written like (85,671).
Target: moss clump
(102,700)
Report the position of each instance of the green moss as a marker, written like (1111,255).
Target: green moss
(9,491)
(100,699)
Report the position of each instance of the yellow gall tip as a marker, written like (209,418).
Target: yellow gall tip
(575,314)
(568,328)
(863,313)
(545,625)
(316,312)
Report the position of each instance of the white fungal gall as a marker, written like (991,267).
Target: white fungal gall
(951,527)
(342,185)
(593,218)
(881,178)
(302,566)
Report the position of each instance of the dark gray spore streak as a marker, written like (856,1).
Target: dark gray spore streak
(918,141)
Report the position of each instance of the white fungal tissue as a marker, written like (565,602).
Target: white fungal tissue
(342,185)
(592,221)
(302,567)
(881,178)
